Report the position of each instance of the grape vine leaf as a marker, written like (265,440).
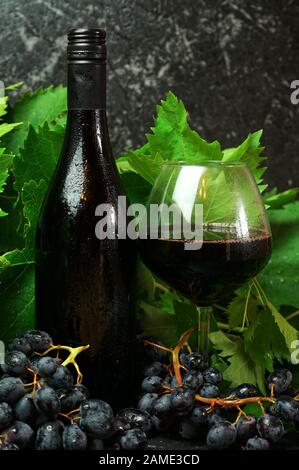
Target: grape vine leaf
(17,269)
(241,368)
(280,278)
(250,151)
(42,106)
(159,324)
(38,159)
(276,200)
(243,307)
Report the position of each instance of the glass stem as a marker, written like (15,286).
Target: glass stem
(204,314)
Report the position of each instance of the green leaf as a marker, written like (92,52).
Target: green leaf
(243,306)
(276,200)
(241,368)
(136,187)
(253,409)
(280,278)
(17,269)
(173,138)
(38,158)
(34,109)
(145,282)
(147,166)
(249,152)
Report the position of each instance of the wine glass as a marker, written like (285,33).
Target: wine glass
(216,238)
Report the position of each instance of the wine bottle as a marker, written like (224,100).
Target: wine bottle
(84,285)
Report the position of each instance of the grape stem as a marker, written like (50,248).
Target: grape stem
(71,359)
(228,402)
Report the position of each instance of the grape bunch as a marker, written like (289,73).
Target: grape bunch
(44,407)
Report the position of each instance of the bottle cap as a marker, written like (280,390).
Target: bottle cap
(87,44)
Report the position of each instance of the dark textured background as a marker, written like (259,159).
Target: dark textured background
(231,62)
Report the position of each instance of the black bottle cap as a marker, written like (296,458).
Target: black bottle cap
(87,45)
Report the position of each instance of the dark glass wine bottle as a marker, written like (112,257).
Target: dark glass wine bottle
(84,285)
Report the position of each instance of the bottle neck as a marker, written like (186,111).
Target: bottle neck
(86,86)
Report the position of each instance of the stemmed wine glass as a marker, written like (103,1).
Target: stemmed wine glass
(215,238)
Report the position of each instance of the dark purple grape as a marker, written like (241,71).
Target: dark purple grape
(6,415)
(73,438)
(20,434)
(49,436)
(11,389)
(281,379)
(212,376)
(195,361)
(16,364)
(188,430)
(270,427)
(215,418)
(20,344)
(245,391)
(97,424)
(61,378)
(133,439)
(221,436)
(162,407)
(199,414)
(153,384)
(70,398)
(25,410)
(147,402)
(182,399)
(257,443)
(136,418)
(287,408)
(93,404)
(209,391)
(47,401)
(193,379)
(46,366)
(39,340)
(246,427)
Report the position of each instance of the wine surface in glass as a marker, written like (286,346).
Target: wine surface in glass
(212,273)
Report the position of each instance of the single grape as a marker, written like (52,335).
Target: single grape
(153,354)
(281,379)
(25,410)
(257,443)
(92,404)
(19,433)
(162,407)
(8,446)
(245,391)
(133,439)
(152,384)
(221,436)
(182,399)
(39,340)
(188,430)
(47,401)
(136,418)
(246,427)
(70,398)
(83,389)
(6,415)
(11,389)
(195,361)
(46,366)
(20,344)
(96,424)
(215,418)
(61,378)
(49,437)
(212,376)
(16,364)
(199,414)
(155,368)
(193,379)
(270,427)
(209,391)
(147,401)
(73,438)
(95,444)
(287,408)
(120,426)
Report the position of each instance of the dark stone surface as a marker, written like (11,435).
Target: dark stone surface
(231,61)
